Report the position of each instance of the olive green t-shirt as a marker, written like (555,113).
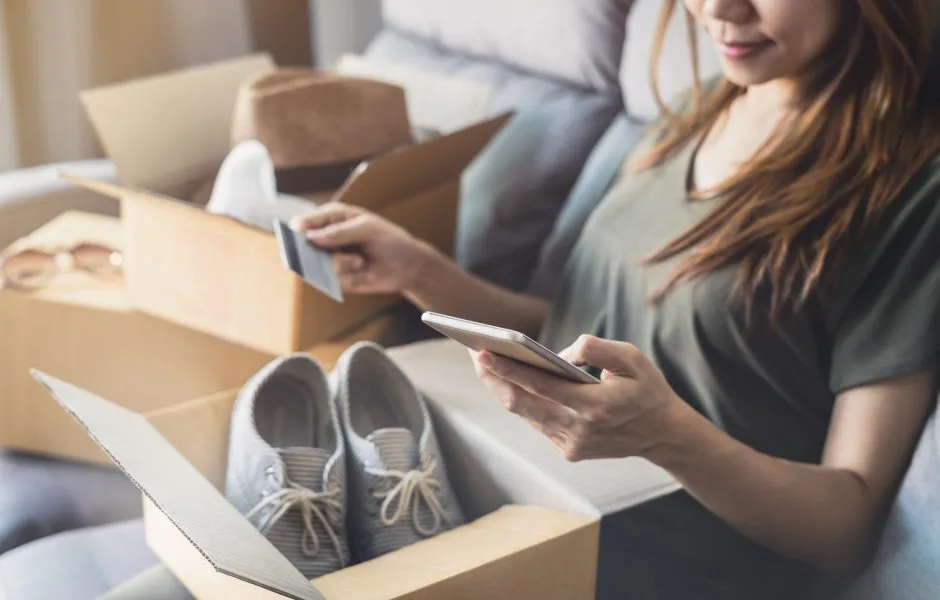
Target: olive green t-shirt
(769,386)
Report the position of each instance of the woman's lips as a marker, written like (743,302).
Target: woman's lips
(742,50)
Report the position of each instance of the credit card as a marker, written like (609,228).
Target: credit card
(313,265)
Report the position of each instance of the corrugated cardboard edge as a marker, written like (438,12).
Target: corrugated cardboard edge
(44,380)
(185,561)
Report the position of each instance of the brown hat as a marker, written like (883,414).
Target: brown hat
(308,118)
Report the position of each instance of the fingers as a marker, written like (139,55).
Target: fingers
(520,401)
(354,273)
(348,263)
(328,214)
(556,422)
(537,382)
(617,358)
(354,231)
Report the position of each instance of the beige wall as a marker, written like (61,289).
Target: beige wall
(55,48)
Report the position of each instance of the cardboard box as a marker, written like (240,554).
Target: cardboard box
(85,330)
(536,518)
(167,136)
(509,553)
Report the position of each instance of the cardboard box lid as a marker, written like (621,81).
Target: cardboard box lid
(411,169)
(169,130)
(443,371)
(199,511)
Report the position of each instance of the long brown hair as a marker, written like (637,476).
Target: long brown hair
(791,214)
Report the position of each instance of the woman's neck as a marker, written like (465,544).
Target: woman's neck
(747,126)
(774,97)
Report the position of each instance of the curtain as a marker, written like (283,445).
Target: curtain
(50,50)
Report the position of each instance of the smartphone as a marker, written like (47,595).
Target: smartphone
(506,343)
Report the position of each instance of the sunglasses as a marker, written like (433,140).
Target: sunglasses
(34,269)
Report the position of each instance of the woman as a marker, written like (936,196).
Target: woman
(759,291)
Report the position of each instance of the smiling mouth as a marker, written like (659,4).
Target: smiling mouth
(739,50)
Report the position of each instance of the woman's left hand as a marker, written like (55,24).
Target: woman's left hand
(628,414)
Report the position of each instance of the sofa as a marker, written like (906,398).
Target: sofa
(577,77)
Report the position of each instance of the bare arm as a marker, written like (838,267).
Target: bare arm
(375,256)
(442,286)
(825,514)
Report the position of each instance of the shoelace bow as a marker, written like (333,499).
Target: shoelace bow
(311,505)
(411,488)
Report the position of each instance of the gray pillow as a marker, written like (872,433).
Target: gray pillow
(513,192)
(575,41)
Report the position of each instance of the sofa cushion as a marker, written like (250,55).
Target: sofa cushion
(907,564)
(77,565)
(675,67)
(156,583)
(40,497)
(515,189)
(576,41)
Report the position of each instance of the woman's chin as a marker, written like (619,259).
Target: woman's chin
(746,75)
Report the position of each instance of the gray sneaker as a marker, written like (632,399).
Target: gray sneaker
(399,490)
(287,465)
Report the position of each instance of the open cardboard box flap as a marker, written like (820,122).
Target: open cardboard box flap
(142,124)
(170,482)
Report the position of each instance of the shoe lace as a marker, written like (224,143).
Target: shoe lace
(411,488)
(312,506)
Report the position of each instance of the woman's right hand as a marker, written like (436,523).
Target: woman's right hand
(372,255)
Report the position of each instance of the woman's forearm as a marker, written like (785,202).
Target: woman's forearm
(822,516)
(440,285)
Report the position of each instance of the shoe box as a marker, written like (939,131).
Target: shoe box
(534,520)
(167,136)
(86,330)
